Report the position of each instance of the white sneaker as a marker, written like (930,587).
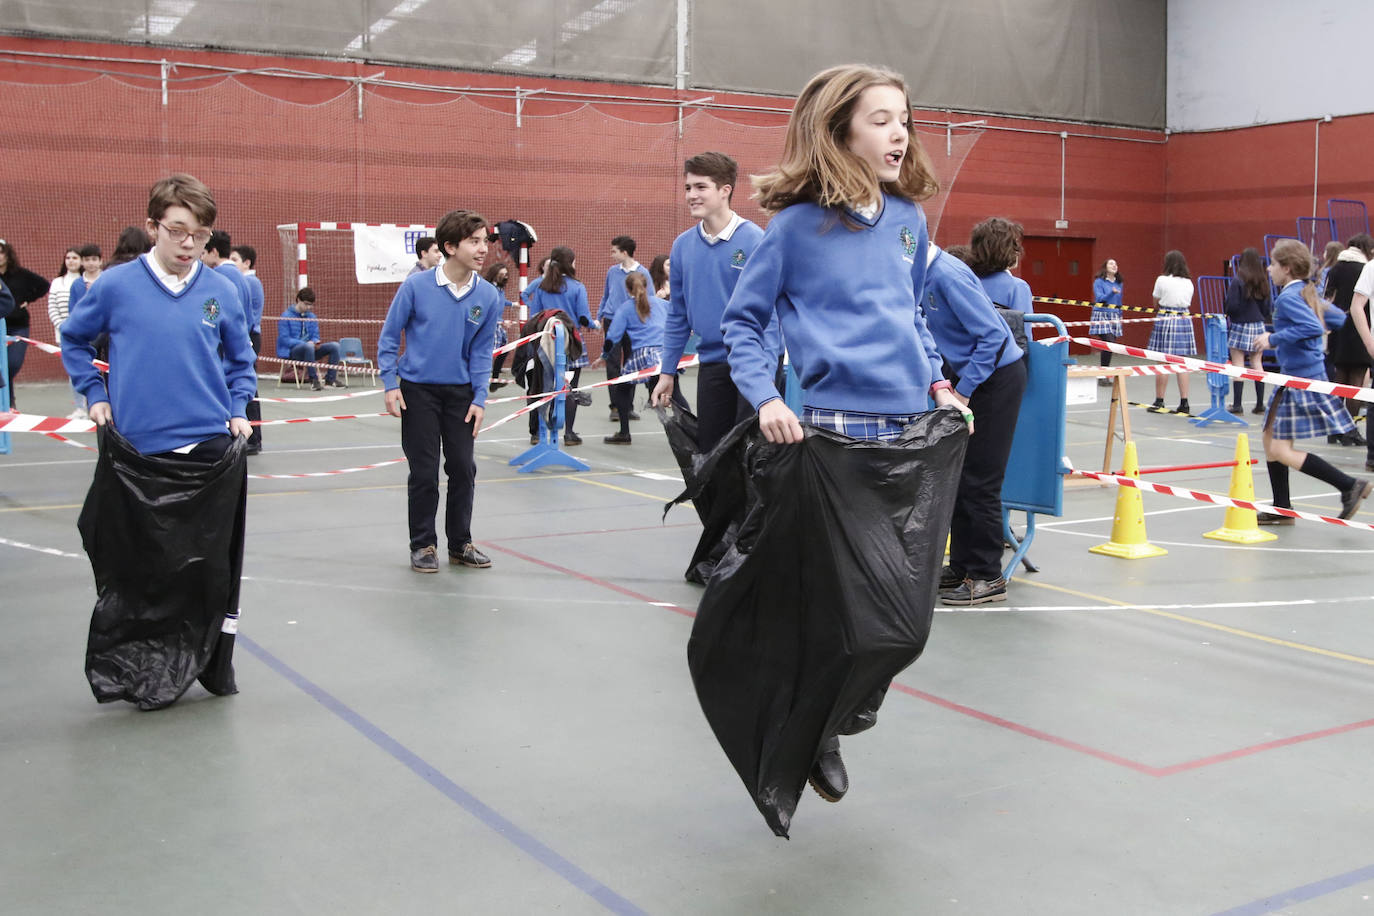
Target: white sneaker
(78,414)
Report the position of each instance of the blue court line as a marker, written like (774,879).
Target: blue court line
(454,792)
(1303,894)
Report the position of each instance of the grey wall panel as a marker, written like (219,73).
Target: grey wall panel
(1091,60)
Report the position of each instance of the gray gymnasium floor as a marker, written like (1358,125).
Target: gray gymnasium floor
(1175,735)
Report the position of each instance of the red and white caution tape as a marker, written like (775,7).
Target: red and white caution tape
(33,423)
(522,411)
(294,420)
(45,347)
(1202,365)
(1202,496)
(1084,324)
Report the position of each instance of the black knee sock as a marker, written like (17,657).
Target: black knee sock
(1278,484)
(1323,470)
(1259,392)
(1236,389)
(1106,356)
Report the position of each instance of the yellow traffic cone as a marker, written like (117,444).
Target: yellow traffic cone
(1128,526)
(1240,525)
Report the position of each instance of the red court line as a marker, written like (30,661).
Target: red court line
(1025,730)
(1266,746)
(573,534)
(592,579)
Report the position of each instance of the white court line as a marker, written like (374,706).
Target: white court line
(1209,545)
(506,597)
(44,464)
(50,551)
(1218,605)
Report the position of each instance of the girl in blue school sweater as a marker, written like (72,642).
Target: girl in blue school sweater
(842,265)
(1293,412)
(1105,321)
(644,323)
(989,376)
(560,289)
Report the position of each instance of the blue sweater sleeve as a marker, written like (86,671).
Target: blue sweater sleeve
(676,328)
(606,310)
(87,318)
(619,325)
(918,277)
(746,319)
(284,335)
(240,362)
(582,313)
(389,343)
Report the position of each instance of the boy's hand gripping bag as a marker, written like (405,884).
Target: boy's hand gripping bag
(165,540)
(826,595)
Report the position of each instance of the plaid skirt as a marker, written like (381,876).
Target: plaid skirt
(1173,335)
(1105,322)
(874,427)
(580,363)
(1297,414)
(1242,337)
(643,358)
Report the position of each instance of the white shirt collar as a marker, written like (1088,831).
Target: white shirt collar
(458,292)
(867,211)
(170,280)
(634,265)
(724,234)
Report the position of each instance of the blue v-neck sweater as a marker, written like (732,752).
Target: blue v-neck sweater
(847,301)
(168,386)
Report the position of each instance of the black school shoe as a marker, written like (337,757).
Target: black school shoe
(1273,518)
(1351,499)
(469,556)
(1157,406)
(828,776)
(423,560)
(617,439)
(950,579)
(976,591)
(570,439)
(1183,408)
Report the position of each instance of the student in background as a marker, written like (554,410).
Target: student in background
(1249,308)
(1173,327)
(986,368)
(658,270)
(643,324)
(1295,413)
(245,258)
(438,386)
(59,294)
(613,296)
(427,255)
(1105,321)
(560,289)
(25,286)
(996,247)
(298,339)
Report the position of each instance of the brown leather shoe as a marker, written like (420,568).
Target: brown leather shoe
(424,560)
(469,556)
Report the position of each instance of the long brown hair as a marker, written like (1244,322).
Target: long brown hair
(1250,272)
(638,287)
(817,165)
(560,265)
(1294,257)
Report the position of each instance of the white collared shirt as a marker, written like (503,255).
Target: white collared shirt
(867,211)
(458,292)
(724,235)
(170,280)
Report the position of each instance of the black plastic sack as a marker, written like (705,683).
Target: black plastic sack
(715,484)
(165,540)
(826,595)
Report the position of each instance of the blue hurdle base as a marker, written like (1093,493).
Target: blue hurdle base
(547,453)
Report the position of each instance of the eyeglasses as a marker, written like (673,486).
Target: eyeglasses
(200,236)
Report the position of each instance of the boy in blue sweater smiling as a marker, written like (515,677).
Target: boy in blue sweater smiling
(705,264)
(843,265)
(438,386)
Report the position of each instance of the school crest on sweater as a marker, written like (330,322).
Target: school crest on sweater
(209,311)
(908,243)
(475,314)
(738,258)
